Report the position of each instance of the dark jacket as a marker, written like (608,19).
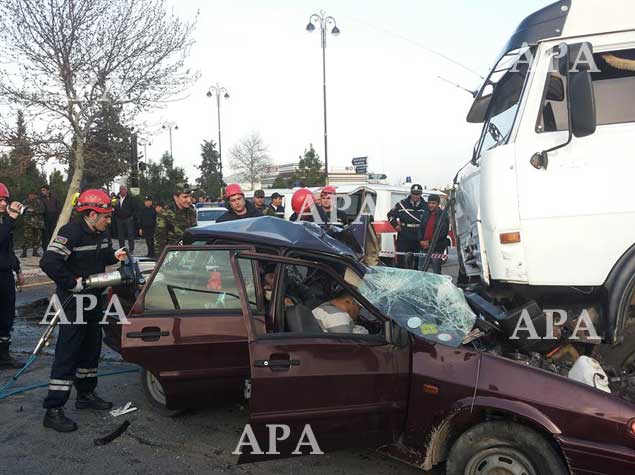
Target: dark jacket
(441,221)
(8,260)
(252,212)
(277,212)
(77,251)
(409,217)
(147,218)
(51,205)
(342,218)
(128,209)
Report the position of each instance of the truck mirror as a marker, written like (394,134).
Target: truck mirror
(582,102)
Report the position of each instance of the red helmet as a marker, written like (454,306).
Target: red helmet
(233,189)
(95,200)
(328,190)
(299,198)
(4,191)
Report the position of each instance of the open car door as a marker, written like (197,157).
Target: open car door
(186,328)
(316,392)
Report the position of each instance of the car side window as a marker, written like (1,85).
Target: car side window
(198,279)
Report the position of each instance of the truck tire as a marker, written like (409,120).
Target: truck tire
(621,357)
(497,447)
(153,391)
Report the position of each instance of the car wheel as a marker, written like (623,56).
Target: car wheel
(495,448)
(153,392)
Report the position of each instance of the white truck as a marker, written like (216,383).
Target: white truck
(545,210)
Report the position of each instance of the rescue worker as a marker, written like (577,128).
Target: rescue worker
(276,205)
(9,264)
(33,224)
(433,220)
(174,219)
(328,202)
(406,217)
(237,206)
(147,224)
(259,203)
(80,249)
(303,206)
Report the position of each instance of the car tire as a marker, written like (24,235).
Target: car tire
(503,447)
(620,357)
(153,391)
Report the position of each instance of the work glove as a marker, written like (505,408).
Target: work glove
(79,286)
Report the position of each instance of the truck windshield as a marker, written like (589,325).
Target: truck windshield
(500,95)
(427,305)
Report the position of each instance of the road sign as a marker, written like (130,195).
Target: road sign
(361,169)
(360,161)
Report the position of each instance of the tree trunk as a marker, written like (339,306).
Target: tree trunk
(73,187)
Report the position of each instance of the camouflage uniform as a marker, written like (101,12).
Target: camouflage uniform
(171,224)
(33,225)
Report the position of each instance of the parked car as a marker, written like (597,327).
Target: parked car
(229,315)
(208,213)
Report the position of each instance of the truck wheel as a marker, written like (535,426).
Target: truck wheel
(622,356)
(154,394)
(493,448)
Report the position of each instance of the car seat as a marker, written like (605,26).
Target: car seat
(300,319)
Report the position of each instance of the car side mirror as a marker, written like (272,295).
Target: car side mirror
(582,99)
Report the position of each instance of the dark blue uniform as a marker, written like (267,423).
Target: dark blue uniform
(409,217)
(9,264)
(76,251)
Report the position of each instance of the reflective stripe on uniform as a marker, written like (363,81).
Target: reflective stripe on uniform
(60,385)
(4,339)
(90,247)
(86,373)
(59,249)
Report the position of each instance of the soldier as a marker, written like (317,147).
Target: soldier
(33,224)
(406,217)
(259,203)
(174,219)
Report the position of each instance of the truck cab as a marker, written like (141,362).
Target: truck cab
(558,114)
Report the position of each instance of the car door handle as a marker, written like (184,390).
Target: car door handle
(148,334)
(276,364)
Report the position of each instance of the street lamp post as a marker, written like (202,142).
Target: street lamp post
(170,126)
(324,23)
(217,91)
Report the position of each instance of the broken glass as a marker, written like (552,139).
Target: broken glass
(427,305)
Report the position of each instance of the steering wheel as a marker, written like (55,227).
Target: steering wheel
(370,322)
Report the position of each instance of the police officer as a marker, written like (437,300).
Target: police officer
(174,219)
(80,249)
(237,206)
(9,264)
(33,224)
(406,217)
(275,206)
(147,224)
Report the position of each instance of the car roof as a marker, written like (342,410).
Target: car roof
(271,231)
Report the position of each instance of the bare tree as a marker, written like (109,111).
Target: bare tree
(250,157)
(62,59)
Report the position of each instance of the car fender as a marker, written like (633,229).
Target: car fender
(619,279)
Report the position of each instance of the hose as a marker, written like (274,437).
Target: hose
(24,389)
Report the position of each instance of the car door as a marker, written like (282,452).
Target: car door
(186,327)
(348,390)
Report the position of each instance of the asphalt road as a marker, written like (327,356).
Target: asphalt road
(196,442)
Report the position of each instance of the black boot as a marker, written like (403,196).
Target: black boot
(6,360)
(35,253)
(55,419)
(23,252)
(92,401)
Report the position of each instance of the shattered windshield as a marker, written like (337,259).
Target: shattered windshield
(427,305)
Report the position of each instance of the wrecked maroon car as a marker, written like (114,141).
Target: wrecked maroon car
(229,315)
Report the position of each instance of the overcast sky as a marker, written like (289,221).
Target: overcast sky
(384,98)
